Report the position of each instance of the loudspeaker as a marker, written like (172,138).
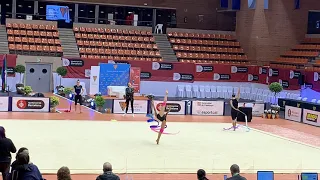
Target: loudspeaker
(38,95)
(301,80)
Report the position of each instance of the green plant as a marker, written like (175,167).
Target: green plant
(99,101)
(276,88)
(62,71)
(20,69)
(27,90)
(54,101)
(67,90)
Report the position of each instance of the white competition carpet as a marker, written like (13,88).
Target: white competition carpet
(84,146)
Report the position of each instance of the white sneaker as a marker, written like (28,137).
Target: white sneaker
(124,114)
(132,115)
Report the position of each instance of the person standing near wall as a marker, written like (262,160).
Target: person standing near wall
(129,98)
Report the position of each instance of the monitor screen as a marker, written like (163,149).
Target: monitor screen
(265,175)
(57,13)
(309,176)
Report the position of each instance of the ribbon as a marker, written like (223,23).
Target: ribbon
(156,128)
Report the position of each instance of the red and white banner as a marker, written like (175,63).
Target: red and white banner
(135,78)
(208,108)
(30,104)
(4,104)
(231,73)
(288,78)
(293,113)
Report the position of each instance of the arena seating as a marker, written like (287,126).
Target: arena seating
(34,39)
(201,47)
(301,54)
(116,44)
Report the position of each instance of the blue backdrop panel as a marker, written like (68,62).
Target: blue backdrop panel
(251,4)
(113,75)
(236,4)
(266,4)
(57,13)
(224,4)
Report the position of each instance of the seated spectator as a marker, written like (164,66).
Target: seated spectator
(235,172)
(201,174)
(15,163)
(25,170)
(107,173)
(6,148)
(64,173)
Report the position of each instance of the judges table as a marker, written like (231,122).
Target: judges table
(247,111)
(300,111)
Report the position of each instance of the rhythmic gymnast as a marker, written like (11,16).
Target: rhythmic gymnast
(161,115)
(234,109)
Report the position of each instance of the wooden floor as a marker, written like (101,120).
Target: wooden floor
(296,131)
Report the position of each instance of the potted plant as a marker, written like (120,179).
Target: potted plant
(276,88)
(273,114)
(264,115)
(67,91)
(269,114)
(20,69)
(27,90)
(54,102)
(61,71)
(99,102)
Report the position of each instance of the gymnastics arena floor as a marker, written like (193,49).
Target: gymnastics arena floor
(83,142)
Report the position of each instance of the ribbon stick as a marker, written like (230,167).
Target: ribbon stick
(238,126)
(157,130)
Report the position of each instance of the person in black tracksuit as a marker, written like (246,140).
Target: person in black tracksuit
(6,148)
(235,172)
(78,90)
(129,98)
(107,173)
(235,109)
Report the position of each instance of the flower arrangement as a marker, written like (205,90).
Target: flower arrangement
(271,114)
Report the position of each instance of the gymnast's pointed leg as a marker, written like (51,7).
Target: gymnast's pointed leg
(163,125)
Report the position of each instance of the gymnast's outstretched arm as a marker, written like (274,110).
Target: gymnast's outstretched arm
(153,107)
(165,97)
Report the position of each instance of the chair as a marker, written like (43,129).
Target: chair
(230,91)
(180,90)
(224,92)
(243,92)
(253,95)
(188,91)
(207,92)
(195,91)
(213,90)
(304,99)
(202,91)
(314,100)
(247,92)
(219,92)
(299,98)
(158,29)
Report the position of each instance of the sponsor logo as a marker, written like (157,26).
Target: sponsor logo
(30,104)
(217,76)
(262,70)
(294,74)
(289,112)
(273,72)
(162,66)
(145,75)
(174,107)
(315,76)
(73,62)
(115,66)
(94,78)
(123,105)
(182,77)
(285,84)
(311,117)
(235,69)
(200,68)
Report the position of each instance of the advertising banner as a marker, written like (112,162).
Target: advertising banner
(94,80)
(30,104)
(4,104)
(288,78)
(177,107)
(231,73)
(139,106)
(293,113)
(113,75)
(208,108)
(135,78)
(311,117)
(257,109)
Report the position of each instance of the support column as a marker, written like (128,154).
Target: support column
(76,13)
(36,7)
(96,16)
(14,9)
(154,19)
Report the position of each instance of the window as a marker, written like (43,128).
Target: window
(86,13)
(25,8)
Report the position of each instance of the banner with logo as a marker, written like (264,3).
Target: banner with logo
(4,104)
(139,106)
(231,73)
(150,71)
(208,108)
(293,113)
(311,117)
(177,107)
(288,78)
(11,60)
(135,78)
(257,109)
(30,104)
(94,79)
(113,75)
